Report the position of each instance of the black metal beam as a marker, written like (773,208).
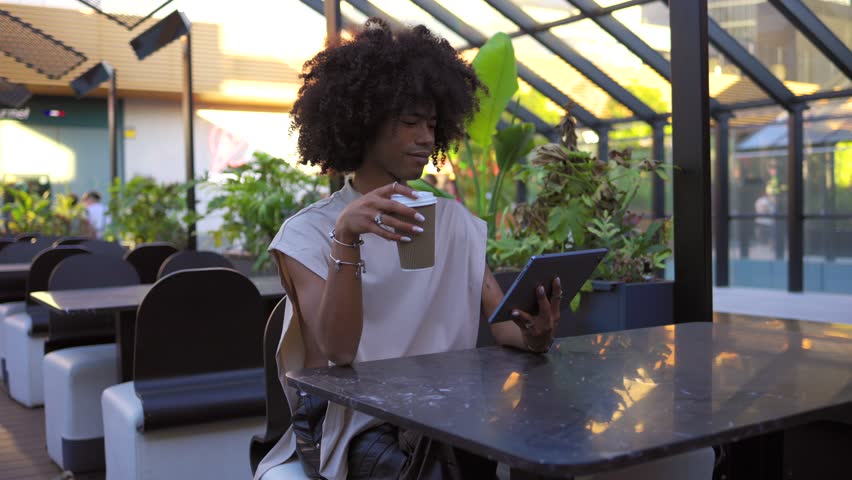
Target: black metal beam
(626,37)
(795,199)
(112,119)
(188,119)
(603,141)
(798,14)
(319,7)
(588,69)
(693,298)
(371,10)
(731,107)
(721,199)
(475,37)
(658,188)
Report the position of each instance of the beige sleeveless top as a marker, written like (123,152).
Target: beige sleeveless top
(405,312)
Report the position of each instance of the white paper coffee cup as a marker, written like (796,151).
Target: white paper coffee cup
(419,253)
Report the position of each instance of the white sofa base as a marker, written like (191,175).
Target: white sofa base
(23,360)
(209,450)
(74,379)
(6,309)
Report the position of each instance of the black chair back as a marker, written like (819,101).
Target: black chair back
(45,263)
(148,258)
(5,242)
(102,247)
(199,329)
(24,251)
(190,259)
(277,410)
(86,271)
(71,240)
(22,237)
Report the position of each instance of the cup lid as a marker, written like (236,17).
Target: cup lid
(423,199)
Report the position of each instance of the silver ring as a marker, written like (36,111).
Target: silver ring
(378,219)
(393,187)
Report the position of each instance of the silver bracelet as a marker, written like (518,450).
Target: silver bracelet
(360,266)
(358,241)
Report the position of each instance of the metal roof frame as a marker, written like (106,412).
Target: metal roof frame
(475,37)
(575,59)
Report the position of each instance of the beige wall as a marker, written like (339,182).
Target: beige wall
(220,77)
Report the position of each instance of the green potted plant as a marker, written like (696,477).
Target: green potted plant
(579,202)
(255,198)
(53,215)
(486,158)
(142,210)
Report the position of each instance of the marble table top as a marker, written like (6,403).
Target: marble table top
(601,402)
(116,299)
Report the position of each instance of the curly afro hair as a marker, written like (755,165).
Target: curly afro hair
(351,89)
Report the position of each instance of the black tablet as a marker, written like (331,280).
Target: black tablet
(572,268)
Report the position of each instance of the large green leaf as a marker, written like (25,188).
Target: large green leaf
(495,66)
(424,186)
(513,143)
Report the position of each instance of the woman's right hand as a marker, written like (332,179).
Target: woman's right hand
(359,217)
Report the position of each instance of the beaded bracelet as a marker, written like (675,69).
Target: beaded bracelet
(358,242)
(360,266)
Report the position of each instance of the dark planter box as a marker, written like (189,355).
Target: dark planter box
(620,306)
(612,306)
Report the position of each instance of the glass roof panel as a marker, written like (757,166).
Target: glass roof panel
(480,16)
(534,101)
(650,22)
(609,3)
(546,11)
(564,77)
(352,13)
(762,30)
(409,13)
(622,65)
(836,15)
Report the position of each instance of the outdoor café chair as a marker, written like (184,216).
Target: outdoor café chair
(102,247)
(80,361)
(198,387)
(24,333)
(148,258)
(190,259)
(277,408)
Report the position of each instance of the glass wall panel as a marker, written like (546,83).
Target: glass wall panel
(758,162)
(480,16)
(564,77)
(650,22)
(761,29)
(609,55)
(828,255)
(758,253)
(409,13)
(828,157)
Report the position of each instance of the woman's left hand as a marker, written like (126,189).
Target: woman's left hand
(538,330)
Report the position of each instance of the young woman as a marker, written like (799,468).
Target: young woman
(381,106)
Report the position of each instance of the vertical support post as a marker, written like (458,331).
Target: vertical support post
(658,188)
(603,141)
(795,198)
(188,114)
(693,299)
(721,199)
(333,25)
(112,111)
